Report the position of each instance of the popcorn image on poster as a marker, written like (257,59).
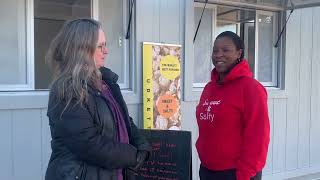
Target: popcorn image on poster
(161,86)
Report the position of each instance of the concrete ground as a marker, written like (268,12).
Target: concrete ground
(315,176)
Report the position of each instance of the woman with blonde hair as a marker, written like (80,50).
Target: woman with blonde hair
(93,136)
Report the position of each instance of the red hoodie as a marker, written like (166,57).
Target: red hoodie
(233,123)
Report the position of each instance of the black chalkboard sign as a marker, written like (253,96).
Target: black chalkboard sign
(170,158)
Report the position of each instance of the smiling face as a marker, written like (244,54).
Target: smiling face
(101,50)
(225,55)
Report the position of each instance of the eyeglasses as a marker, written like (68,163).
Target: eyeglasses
(102,47)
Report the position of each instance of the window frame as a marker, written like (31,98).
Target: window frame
(275,57)
(192,91)
(214,25)
(126,43)
(128,86)
(29,54)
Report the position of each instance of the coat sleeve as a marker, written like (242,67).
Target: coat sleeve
(81,136)
(137,139)
(255,134)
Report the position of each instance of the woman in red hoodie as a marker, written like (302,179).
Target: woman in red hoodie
(232,116)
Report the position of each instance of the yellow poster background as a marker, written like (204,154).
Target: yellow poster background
(161,86)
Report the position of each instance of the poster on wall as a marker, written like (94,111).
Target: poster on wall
(161,86)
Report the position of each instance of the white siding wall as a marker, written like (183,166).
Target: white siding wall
(295,120)
(315,91)
(295,112)
(25,138)
(294,115)
(24,131)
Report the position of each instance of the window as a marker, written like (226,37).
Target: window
(203,45)
(13,44)
(257,28)
(49,17)
(30,25)
(112,15)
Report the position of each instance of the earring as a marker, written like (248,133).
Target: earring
(239,60)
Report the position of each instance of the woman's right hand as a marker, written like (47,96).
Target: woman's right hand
(142,155)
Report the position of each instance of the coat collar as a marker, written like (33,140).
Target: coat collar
(108,75)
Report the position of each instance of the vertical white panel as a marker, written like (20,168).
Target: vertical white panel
(26,144)
(46,142)
(148,20)
(135,111)
(147,28)
(292,88)
(6,163)
(189,94)
(279,135)
(315,96)
(268,167)
(305,88)
(182,21)
(169,21)
(190,124)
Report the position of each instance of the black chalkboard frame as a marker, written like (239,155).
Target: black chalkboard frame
(171,156)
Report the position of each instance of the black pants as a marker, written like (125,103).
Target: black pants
(230,174)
